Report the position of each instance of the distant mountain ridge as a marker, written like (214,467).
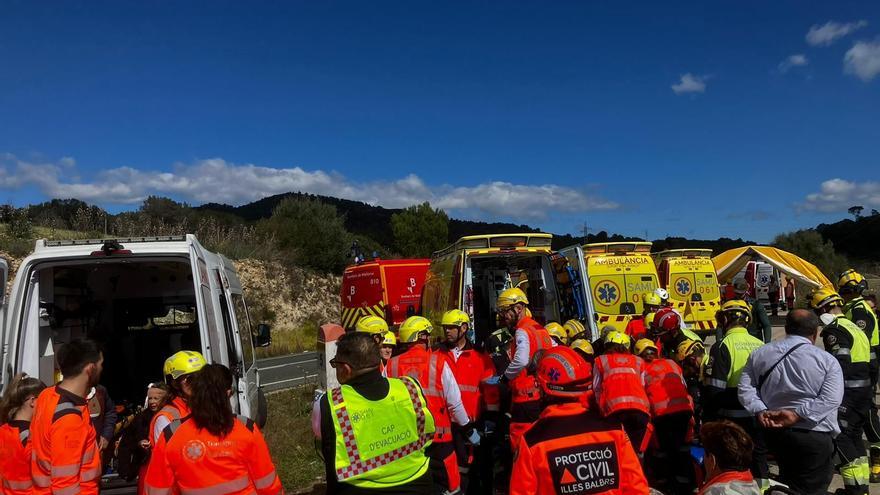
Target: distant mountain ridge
(375,223)
(859,239)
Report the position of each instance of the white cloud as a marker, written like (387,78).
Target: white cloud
(863,60)
(216,180)
(837,195)
(796,60)
(831,31)
(690,83)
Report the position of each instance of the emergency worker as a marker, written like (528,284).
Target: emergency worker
(470,367)
(673,414)
(759,323)
(557,333)
(584,349)
(569,449)
(386,349)
(664,299)
(373,325)
(668,333)
(576,329)
(851,347)
(65,458)
(599,344)
(213,451)
(16,412)
(529,337)
(434,374)
(496,399)
(177,370)
(619,389)
(637,327)
(690,357)
(721,378)
(852,287)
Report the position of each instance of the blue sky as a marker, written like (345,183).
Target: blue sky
(702,119)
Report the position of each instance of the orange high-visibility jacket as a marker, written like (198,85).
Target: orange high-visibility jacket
(470,369)
(15,458)
(196,462)
(523,387)
(569,450)
(65,457)
(666,388)
(618,383)
(427,368)
(175,410)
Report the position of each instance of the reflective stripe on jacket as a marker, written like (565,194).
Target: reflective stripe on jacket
(174,410)
(196,462)
(571,450)
(524,388)
(426,367)
(731,483)
(381,443)
(870,329)
(15,459)
(740,344)
(666,388)
(65,458)
(470,369)
(618,383)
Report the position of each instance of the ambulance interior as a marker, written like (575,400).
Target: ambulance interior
(489,275)
(139,310)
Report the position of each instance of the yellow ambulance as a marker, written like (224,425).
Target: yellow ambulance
(470,273)
(689,277)
(618,274)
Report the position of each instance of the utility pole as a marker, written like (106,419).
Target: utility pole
(585,230)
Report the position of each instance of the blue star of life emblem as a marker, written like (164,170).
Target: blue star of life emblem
(608,293)
(683,287)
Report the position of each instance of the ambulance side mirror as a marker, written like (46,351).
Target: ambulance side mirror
(263,337)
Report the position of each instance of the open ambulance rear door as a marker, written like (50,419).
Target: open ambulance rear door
(573,287)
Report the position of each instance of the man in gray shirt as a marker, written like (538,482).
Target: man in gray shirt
(794,388)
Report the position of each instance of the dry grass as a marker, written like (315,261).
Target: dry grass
(291,442)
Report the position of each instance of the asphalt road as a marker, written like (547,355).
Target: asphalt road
(278,373)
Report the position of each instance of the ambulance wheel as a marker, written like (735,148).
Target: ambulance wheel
(262,408)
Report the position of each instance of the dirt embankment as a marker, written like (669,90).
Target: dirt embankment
(293,301)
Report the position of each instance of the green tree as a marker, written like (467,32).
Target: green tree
(20,226)
(420,230)
(809,245)
(312,232)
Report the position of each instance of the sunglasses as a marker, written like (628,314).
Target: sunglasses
(335,363)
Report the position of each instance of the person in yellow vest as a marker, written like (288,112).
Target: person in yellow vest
(852,349)
(851,286)
(723,369)
(373,430)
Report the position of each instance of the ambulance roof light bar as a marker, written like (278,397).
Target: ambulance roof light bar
(618,248)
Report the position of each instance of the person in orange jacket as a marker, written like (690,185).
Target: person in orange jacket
(65,456)
(213,451)
(673,418)
(16,412)
(433,372)
(471,367)
(619,389)
(529,337)
(570,449)
(177,371)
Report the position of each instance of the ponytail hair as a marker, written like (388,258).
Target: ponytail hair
(209,401)
(20,389)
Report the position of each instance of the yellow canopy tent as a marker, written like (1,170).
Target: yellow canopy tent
(729,263)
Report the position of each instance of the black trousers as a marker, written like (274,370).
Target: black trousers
(670,463)
(872,425)
(805,459)
(635,424)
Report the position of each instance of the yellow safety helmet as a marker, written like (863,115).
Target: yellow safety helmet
(509,297)
(583,345)
(574,327)
(651,299)
(556,330)
(617,337)
(688,347)
(851,281)
(644,344)
(372,325)
(824,296)
(737,306)
(454,318)
(606,330)
(183,363)
(412,327)
(389,339)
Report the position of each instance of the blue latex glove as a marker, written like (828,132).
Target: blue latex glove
(474,437)
(494,380)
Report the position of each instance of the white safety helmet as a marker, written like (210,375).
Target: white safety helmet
(662,293)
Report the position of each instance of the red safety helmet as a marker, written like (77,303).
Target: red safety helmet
(666,320)
(563,373)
